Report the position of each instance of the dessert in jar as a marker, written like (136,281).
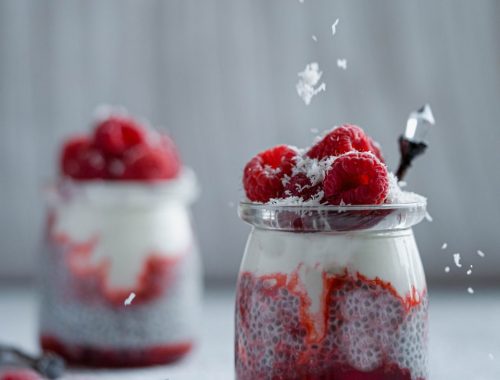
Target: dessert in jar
(120,272)
(331,285)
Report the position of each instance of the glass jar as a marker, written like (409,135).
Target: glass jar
(120,273)
(331,292)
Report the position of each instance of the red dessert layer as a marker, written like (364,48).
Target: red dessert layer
(363,330)
(89,280)
(82,355)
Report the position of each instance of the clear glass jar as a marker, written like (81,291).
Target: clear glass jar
(331,293)
(105,241)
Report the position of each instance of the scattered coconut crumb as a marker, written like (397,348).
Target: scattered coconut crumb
(444,246)
(309,78)
(480,253)
(447,269)
(129,299)
(402,183)
(314,130)
(396,195)
(470,290)
(456,259)
(334,27)
(469,272)
(314,38)
(342,63)
(428,217)
(491,356)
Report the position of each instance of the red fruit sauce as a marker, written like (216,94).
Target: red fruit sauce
(115,357)
(363,330)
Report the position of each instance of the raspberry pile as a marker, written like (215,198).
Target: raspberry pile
(344,167)
(120,148)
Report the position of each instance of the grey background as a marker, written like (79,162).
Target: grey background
(221,74)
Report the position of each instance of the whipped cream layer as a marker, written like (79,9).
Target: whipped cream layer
(392,257)
(125,231)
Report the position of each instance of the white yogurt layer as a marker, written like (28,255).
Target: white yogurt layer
(392,257)
(126,232)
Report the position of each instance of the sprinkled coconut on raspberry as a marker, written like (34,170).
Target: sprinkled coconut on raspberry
(356,178)
(120,148)
(263,175)
(288,176)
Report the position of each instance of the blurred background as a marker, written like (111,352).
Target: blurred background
(220,75)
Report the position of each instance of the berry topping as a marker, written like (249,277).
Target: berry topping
(116,134)
(375,149)
(300,186)
(343,139)
(151,163)
(120,149)
(80,160)
(262,176)
(356,178)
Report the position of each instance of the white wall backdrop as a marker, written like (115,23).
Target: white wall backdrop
(220,75)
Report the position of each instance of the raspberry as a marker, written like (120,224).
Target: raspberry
(80,160)
(300,186)
(152,163)
(375,149)
(263,174)
(343,139)
(116,134)
(356,178)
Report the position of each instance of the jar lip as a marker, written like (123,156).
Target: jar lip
(184,188)
(330,218)
(419,202)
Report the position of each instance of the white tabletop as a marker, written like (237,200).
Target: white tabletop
(464,337)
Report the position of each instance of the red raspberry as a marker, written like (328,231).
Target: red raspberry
(152,163)
(80,160)
(356,178)
(375,149)
(263,174)
(300,186)
(343,139)
(116,134)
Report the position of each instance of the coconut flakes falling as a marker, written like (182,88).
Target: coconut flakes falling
(334,27)
(314,38)
(470,290)
(309,78)
(444,246)
(456,259)
(342,63)
(480,253)
(447,269)
(129,299)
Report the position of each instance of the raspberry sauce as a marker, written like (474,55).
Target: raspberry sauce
(113,357)
(362,330)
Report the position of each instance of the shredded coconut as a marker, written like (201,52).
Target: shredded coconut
(469,272)
(309,78)
(447,269)
(402,184)
(315,39)
(444,246)
(334,26)
(129,299)
(470,290)
(480,253)
(342,63)
(456,259)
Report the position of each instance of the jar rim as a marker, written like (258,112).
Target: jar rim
(331,218)
(183,188)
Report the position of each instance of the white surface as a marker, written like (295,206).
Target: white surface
(465,330)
